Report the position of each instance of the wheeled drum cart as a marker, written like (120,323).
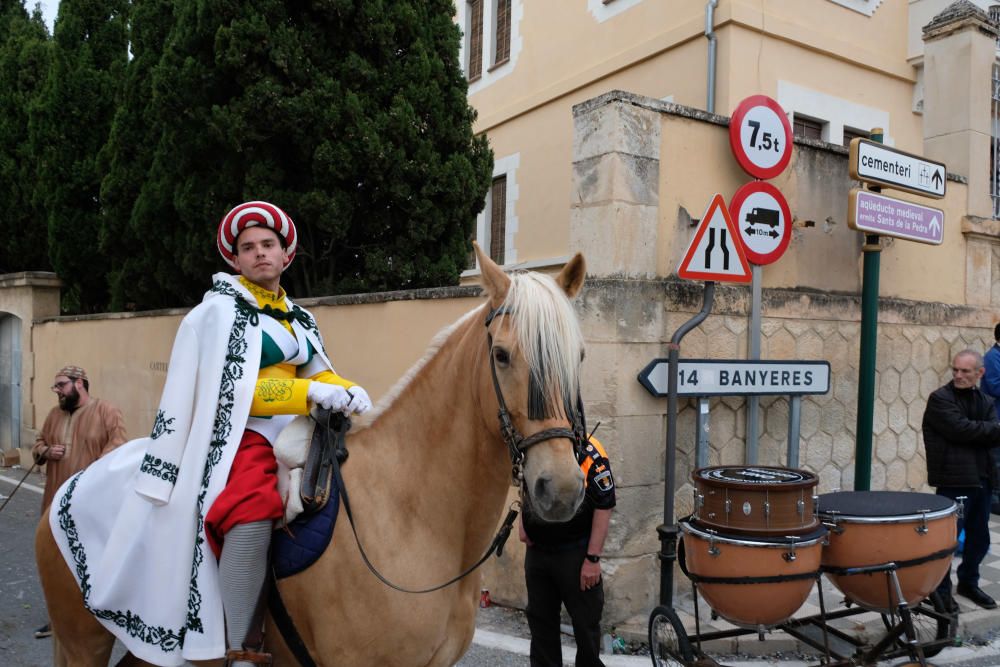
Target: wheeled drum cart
(886,551)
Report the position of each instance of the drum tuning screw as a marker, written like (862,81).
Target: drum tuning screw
(712,549)
(922,528)
(790,556)
(801,505)
(961,506)
(767,509)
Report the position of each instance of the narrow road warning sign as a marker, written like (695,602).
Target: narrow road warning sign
(716,251)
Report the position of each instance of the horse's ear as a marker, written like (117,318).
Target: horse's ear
(572,275)
(495,281)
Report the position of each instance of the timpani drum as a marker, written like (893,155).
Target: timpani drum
(916,531)
(752,582)
(757,500)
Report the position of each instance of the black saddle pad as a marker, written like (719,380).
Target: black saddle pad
(881,503)
(305,539)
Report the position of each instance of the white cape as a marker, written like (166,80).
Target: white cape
(131,526)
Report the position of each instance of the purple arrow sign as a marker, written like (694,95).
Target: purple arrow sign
(878,214)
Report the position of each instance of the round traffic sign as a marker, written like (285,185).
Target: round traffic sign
(761,213)
(760,136)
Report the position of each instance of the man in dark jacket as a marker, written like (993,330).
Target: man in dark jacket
(960,430)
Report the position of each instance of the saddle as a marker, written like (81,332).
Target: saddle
(311,508)
(305,451)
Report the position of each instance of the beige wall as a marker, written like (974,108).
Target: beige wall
(126,356)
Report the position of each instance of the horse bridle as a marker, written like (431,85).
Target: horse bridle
(518,444)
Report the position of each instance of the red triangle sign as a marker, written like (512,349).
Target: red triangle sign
(716,251)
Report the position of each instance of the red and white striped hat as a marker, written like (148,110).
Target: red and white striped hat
(250,214)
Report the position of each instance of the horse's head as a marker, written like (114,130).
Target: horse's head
(536,348)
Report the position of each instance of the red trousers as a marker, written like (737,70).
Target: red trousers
(251,492)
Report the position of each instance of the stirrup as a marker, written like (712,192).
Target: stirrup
(246,655)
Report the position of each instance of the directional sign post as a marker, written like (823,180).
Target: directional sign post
(761,213)
(874,163)
(878,214)
(738,377)
(715,252)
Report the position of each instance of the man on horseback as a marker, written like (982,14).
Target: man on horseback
(244,362)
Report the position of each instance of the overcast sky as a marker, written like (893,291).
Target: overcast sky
(49,8)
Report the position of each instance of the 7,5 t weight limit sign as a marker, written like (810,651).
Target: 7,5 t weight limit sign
(761,137)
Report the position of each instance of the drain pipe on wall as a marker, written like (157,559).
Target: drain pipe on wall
(712,46)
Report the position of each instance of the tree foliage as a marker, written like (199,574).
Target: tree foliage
(69,126)
(24,59)
(349,114)
(352,116)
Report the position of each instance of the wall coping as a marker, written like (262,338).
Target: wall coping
(430,293)
(699,115)
(30,279)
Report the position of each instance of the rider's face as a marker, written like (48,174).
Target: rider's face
(260,257)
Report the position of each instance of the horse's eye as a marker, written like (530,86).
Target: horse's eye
(501,356)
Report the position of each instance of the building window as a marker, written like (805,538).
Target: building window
(850,133)
(501,45)
(807,128)
(496,225)
(474,38)
(498,219)
(491,41)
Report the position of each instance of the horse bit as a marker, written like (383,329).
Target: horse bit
(518,444)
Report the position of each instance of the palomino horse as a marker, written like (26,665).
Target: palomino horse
(428,480)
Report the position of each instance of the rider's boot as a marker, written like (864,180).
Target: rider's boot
(242,569)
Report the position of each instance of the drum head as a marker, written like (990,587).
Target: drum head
(754,476)
(881,503)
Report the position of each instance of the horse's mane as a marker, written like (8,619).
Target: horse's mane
(546,329)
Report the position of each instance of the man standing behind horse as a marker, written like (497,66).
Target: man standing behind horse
(562,566)
(243,363)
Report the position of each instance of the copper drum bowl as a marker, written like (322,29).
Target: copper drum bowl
(752,582)
(916,531)
(755,500)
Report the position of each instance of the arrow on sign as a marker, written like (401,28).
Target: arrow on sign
(936,178)
(716,253)
(935,226)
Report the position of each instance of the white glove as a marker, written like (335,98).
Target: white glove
(360,403)
(330,396)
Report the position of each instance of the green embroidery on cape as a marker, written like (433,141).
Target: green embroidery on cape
(272,390)
(157,467)
(168,640)
(161,425)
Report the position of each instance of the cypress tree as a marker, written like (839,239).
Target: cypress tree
(24,59)
(350,114)
(68,128)
(127,157)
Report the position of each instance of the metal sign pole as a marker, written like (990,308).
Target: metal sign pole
(753,402)
(668,530)
(866,363)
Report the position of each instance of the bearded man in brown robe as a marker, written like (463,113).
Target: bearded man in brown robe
(77,432)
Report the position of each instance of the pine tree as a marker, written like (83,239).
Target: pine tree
(349,114)
(24,60)
(69,126)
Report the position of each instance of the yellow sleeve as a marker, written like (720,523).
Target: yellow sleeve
(280,396)
(330,377)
